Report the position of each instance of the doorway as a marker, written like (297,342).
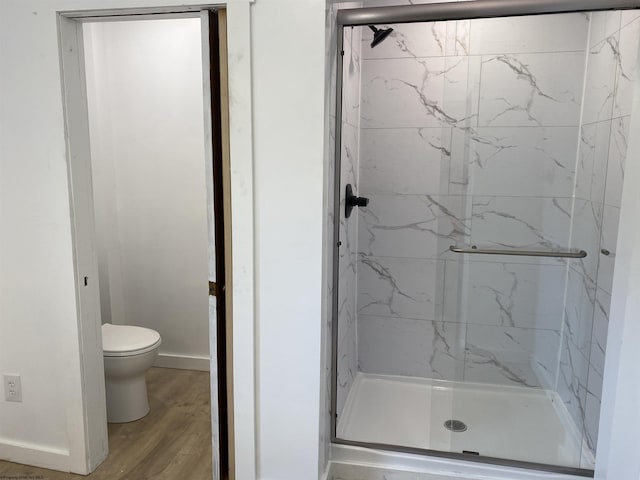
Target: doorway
(149,184)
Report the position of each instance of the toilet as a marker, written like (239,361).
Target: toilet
(129,351)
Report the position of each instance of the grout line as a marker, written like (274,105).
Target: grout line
(484,54)
(477,324)
(476,195)
(473,128)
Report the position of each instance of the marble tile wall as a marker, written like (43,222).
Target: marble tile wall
(612,67)
(476,133)
(468,136)
(348,250)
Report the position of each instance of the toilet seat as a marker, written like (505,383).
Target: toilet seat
(128,340)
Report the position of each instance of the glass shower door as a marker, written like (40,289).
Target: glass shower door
(474,285)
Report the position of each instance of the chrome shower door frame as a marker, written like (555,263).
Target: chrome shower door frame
(461,10)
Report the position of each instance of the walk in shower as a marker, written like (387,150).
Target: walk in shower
(479,170)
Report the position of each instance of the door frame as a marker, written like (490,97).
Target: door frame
(87,430)
(213,28)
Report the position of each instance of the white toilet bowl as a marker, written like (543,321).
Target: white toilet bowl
(129,352)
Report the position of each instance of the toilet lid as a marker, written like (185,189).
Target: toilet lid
(119,339)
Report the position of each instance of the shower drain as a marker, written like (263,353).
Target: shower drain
(455,425)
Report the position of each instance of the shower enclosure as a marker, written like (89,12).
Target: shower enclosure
(480,154)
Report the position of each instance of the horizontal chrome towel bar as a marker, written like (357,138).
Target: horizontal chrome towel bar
(521,253)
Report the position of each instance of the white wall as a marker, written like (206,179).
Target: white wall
(38,325)
(144,83)
(288,68)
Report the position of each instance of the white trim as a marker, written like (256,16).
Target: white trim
(242,225)
(107,14)
(183,362)
(131,17)
(36,455)
(87,419)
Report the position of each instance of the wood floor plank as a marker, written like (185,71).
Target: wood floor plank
(172,442)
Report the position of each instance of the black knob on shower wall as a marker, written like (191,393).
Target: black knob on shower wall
(353,201)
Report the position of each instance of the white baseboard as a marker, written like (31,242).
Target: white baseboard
(183,362)
(35,455)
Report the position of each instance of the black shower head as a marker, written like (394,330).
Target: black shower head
(379,34)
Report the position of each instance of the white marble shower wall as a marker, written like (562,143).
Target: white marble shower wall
(348,250)
(612,67)
(468,136)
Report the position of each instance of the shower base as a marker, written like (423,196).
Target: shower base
(506,422)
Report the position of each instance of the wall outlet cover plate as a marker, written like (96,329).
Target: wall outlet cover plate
(12,388)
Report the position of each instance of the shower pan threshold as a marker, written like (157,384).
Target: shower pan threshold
(515,423)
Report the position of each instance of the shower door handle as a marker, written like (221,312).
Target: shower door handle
(353,201)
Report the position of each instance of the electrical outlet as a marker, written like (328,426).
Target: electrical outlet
(12,388)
